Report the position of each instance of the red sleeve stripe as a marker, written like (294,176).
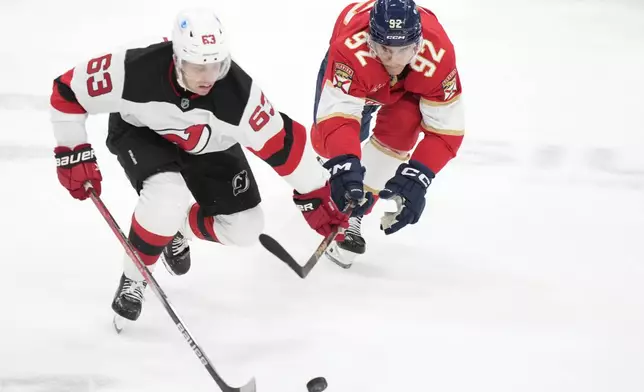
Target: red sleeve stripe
(62,97)
(284,150)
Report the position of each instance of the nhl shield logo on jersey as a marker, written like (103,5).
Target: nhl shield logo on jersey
(240,182)
(342,77)
(450,86)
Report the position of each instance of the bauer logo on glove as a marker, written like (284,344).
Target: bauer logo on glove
(307,205)
(71,158)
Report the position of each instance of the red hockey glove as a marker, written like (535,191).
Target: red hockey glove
(75,167)
(320,212)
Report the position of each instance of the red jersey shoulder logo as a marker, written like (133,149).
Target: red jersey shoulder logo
(342,77)
(450,85)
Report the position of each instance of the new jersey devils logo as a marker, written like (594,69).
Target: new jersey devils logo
(241,183)
(193,139)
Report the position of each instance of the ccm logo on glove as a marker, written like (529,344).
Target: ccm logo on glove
(412,172)
(340,167)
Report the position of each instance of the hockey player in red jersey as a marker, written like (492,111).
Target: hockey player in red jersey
(179,113)
(394,56)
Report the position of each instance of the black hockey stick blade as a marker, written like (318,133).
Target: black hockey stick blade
(278,250)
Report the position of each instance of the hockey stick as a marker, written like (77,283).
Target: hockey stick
(278,250)
(129,249)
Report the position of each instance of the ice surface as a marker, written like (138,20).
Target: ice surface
(525,273)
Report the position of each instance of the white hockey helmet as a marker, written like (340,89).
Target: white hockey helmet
(198,38)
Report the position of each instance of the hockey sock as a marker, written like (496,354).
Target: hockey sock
(202,226)
(148,245)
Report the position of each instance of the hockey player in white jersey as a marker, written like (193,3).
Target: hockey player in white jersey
(180,112)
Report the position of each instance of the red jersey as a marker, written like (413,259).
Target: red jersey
(355,77)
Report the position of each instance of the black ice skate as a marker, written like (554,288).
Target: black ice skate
(344,253)
(128,299)
(176,255)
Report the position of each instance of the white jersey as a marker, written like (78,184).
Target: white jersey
(139,84)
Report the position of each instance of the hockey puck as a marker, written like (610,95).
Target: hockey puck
(317,384)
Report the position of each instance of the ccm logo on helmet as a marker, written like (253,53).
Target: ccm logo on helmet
(396,37)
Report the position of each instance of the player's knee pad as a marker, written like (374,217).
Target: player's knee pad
(241,228)
(381,163)
(163,203)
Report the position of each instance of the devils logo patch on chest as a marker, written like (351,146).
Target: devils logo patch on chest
(193,139)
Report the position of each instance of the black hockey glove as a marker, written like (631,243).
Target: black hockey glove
(347,188)
(407,188)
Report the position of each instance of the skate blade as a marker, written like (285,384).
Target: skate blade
(339,263)
(119,323)
(335,250)
(167,266)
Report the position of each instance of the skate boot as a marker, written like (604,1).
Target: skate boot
(128,299)
(343,253)
(176,255)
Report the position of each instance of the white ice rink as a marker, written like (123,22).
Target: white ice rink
(525,274)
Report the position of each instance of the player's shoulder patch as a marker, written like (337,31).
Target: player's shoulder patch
(342,76)
(450,85)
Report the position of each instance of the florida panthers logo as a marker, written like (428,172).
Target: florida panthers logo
(342,77)
(193,139)
(241,182)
